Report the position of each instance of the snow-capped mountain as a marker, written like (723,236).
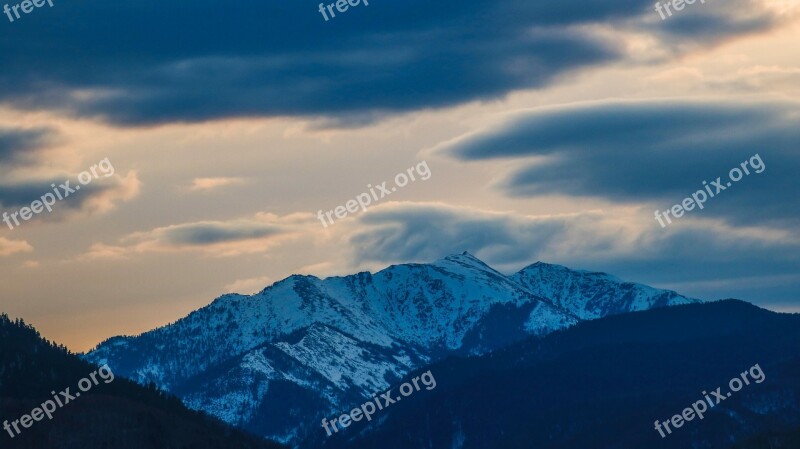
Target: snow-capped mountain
(590,295)
(277,361)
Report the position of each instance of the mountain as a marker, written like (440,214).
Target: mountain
(591,295)
(114,413)
(278,361)
(604,383)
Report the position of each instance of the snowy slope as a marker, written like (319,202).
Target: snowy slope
(591,295)
(305,347)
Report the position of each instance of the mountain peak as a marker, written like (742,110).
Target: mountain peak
(465,258)
(544,265)
(561,270)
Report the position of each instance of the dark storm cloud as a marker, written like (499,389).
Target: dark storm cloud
(655,152)
(149,62)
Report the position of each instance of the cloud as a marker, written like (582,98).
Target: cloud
(16,144)
(657,152)
(616,241)
(98,197)
(759,79)
(11,247)
(208,184)
(401,232)
(157,62)
(217,238)
(26,175)
(99,251)
(782,80)
(704,22)
(210,233)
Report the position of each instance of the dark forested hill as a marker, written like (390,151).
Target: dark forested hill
(116,414)
(603,384)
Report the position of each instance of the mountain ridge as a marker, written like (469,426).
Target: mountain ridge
(341,338)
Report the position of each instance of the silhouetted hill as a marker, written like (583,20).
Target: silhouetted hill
(603,383)
(773,440)
(120,414)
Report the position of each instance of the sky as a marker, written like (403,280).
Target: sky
(536,131)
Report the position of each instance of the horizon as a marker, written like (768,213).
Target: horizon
(260,291)
(89,346)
